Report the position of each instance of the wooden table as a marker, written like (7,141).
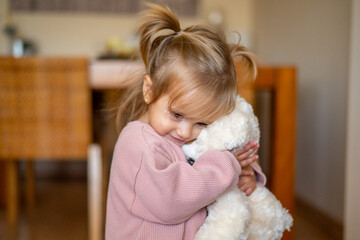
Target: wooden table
(112,74)
(280,80)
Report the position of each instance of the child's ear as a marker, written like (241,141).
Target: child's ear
(147,89)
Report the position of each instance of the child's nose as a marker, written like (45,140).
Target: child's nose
(184,130)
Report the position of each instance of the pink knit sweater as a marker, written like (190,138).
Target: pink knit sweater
(155,194)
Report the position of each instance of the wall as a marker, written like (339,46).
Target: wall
(352,190)
(86,33)
(238,15)
(3,41)
(313,35)
(61,33)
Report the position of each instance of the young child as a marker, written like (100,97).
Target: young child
(190,81)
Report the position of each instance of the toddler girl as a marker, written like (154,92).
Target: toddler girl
(190,81)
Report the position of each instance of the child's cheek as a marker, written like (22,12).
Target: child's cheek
(197,131)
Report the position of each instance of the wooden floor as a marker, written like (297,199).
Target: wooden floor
(61,211)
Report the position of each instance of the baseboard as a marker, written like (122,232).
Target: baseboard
(320,219)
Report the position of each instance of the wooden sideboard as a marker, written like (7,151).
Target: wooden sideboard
(279,80)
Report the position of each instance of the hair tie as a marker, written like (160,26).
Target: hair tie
(178,32)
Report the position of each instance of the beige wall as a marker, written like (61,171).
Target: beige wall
(72,34)
(3,41)
(238,15)
(85,34)
(352,189)
(314,36)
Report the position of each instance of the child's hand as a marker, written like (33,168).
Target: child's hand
(247,183)
(243,156)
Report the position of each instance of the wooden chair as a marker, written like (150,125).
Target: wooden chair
(45,114)
(281,83)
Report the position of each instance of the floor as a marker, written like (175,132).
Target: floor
(61,211)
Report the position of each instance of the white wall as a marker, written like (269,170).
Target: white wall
(313,35)
(352,189)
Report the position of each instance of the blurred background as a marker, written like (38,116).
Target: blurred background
(320,38)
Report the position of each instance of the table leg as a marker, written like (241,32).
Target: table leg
(30,185)
(95,215)
(12,192)
(2,183)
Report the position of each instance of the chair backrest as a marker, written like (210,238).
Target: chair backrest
(246,86)
(45,108)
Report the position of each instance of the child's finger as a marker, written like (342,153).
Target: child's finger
(244,155)
(247,188)
(245,181)
(246,172)
(249,191)
(248,161)
(244,187)
(245,149)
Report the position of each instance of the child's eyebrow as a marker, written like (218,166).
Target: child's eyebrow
(194,111)
(170,109)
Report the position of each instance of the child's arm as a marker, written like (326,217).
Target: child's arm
(173,193)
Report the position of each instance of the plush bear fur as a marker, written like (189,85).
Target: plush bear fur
(234,216)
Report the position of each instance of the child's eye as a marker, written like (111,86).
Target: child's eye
(203,125)
(176,115)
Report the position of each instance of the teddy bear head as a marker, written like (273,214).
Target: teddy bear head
(230,132)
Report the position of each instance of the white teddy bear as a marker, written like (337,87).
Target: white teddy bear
(235,216)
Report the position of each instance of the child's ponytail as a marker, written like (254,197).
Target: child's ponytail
(155,22)
(158,23)
(244,60)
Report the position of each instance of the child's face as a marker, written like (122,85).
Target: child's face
(174,125)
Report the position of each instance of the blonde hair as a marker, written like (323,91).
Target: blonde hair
(190,65)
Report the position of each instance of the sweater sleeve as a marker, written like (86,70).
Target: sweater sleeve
(260,176)
(171,193)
